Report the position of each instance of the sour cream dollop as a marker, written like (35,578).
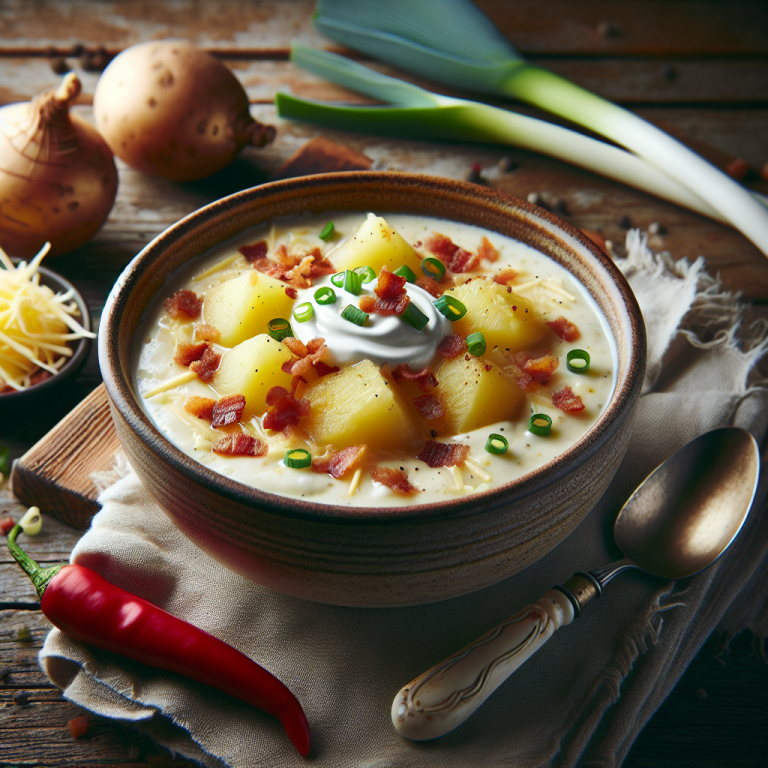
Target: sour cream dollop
(382,339)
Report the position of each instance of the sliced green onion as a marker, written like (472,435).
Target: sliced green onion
(497,444)
(328,232)
(414,317)
(367,273)
(450,307)
(406,272)
(577,361)
(353,282)
(298,458)
(540,424)
(354,315)
(476,344)
(304,313)
(325,295)
(279,328)
(433,267)
(338,279)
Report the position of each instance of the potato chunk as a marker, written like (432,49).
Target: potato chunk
(476,393)
(376,245)
(505,319)
(251,369)
(358,406)
(241,307)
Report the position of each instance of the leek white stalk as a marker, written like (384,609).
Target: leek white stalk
(421,114)
(453,42)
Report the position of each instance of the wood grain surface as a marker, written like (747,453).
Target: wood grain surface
(699,68)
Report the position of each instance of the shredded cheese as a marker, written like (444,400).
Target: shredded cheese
(355,482)
(36,325)
(477,470)
(216,267)
(176,381)
(553,284)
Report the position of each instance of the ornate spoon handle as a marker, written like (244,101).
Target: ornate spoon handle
(446,695)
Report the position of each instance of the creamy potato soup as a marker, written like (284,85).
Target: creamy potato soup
(356,360)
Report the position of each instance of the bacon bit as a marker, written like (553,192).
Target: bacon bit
(39,376)
(425,377)
(240,445)
(305,364)
(78,726)
(6,525)
(392,298)
(296,346)
(291,292)
(541,368)
(299,275)
(315,345)
(284,410)
(229,410)
(455,258)
(255,252)
(320,265)
(183,305)
(565,329)
(323,369)
(184,354)
(367,304)
(435,454)
(287,366)
(394,479)
(338,464)
(431,286)
(206,366)
(565,400)
(506,276)
(202,407)
(452,346)
(207,332)
(487,250)
(429,407)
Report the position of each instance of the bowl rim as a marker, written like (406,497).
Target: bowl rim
(59,284)
(122,396)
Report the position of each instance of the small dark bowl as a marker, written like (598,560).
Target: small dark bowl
(11,401)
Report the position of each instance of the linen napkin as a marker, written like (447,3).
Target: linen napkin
(583,698)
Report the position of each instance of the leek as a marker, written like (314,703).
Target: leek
(453,42)
(421,114)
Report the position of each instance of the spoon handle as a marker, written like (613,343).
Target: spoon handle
(447,694)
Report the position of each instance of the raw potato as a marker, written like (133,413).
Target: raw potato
(506,320)
(358,406)
(377,245)
(169,109)
(476,393)
(251,369)
(241,307)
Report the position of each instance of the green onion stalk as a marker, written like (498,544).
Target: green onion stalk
(418,113)
(453,42)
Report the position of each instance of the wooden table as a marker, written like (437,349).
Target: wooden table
(699,68)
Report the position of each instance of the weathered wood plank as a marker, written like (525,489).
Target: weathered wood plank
(721,81)
(643,27)
(18,658)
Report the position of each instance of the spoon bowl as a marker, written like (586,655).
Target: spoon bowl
(687,512)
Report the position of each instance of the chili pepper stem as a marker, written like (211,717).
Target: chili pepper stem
(40,577)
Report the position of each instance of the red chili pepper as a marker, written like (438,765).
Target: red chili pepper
(88,608)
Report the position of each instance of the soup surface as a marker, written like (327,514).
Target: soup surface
(388,362)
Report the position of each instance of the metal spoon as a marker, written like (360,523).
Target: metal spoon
(683,516)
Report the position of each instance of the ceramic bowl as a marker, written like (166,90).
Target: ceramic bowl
(383,556)
(10,401)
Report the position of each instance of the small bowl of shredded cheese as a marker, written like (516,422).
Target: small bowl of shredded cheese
(45,329)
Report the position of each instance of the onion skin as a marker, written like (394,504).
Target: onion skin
(169,109)
(58,178)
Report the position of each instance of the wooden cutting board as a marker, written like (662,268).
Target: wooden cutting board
(55,474)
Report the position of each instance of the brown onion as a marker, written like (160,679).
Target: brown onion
(58,178)
(169,109)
